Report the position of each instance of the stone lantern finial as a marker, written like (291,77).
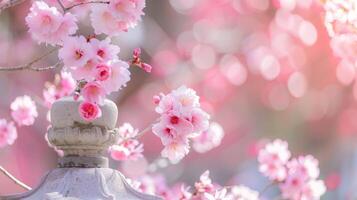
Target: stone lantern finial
(82,172)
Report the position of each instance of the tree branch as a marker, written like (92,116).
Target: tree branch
(29,66)
(21,184)
(10,4)
(83,3)
(61,4)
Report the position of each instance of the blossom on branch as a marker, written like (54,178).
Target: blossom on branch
(181,119)
(118,16)
(47,25)
(127,147)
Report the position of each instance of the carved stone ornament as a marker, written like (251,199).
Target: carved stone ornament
(82,172)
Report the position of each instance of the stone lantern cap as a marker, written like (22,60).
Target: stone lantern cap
(82,172)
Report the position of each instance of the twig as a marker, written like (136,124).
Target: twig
(29,66)
(141,133)
(61,4)
(6,173)
(10,4)
(83,3)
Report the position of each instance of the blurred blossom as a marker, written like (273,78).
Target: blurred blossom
(203,56)
(297,84)
(209,138)
(23,111)
(8,133)
(233,70)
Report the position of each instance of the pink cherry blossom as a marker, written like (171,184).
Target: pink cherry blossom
(93,92)
(218,195)
(209,138)
(23,111)
(118,78)
(181,118)
(295,188)
(89,111)
(103,21)
(76,52)
(46,24)
(102,72)
(127,10)
(199,119)
(273,159)
(176,150)
(63,85)
(205,184)
(340,17)
(104,50)
(166,133)
(242,192)
(306,167)
(119,16)
(8,133)
(86,72)
(127,147)
(314,189)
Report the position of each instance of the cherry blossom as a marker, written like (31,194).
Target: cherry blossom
(340,16)
(127,147)
(23,111)
(89,111)
(205,184)
(273,159)
(93,92)
(118,78)
(63,85)
(104,50)
(102,72)
(181,119)
(46,24)
(8,133)
(209,138)
(241,192)
(76,52)
(118,16)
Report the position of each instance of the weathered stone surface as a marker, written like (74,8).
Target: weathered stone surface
(83,172)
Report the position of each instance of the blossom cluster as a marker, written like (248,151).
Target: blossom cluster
(48,25)
(23,112)
(96,64)
(93,63)
(341,25)
(181,119)
(204,189)
(127,147)
(297,177)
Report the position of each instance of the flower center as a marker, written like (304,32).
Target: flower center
(79,54)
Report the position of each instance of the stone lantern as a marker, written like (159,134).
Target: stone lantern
(82,172)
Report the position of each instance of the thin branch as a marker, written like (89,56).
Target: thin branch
(83,3)
(141,133)
(21,184)
(9,4)
(62,6)
(29,66)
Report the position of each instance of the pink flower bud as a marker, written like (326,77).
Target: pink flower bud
(146,67)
